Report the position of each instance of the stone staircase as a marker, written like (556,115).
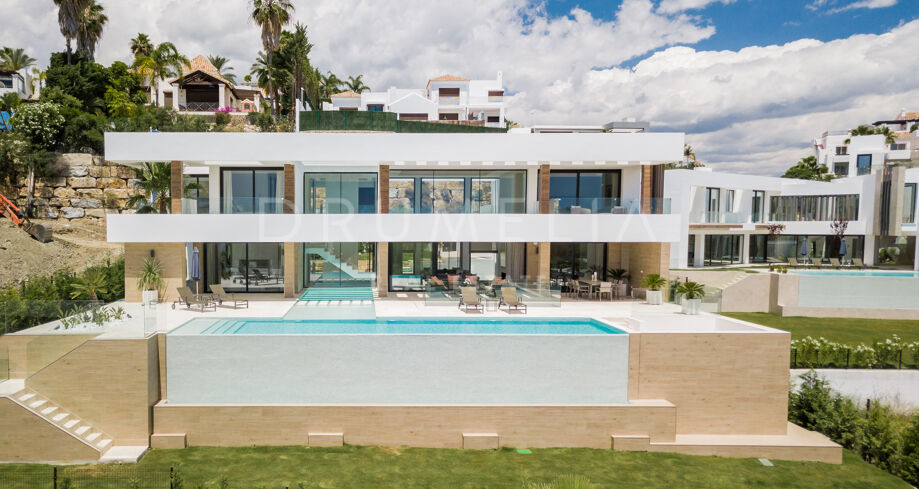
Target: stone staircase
(64,420)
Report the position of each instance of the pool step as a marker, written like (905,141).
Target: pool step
(64,420)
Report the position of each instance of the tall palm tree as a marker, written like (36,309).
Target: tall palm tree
(689,155)
(68,19)
(295,51)
(15,59)
(271,16)
(356,84)
(141,45)
(89,32)
(38,78)
(163,61)
(329,85)
(220,63)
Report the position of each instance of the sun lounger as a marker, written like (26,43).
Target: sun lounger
(187,297)
(818,262)
(222,296)
(858,262)
(470,299)
(793,262)
(510,299)
(835,262)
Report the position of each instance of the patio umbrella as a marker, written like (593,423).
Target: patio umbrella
(803,251)
(195,268)
(842,248)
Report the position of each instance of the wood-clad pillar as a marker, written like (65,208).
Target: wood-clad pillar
(177,190)
(646,184)
(291,261)
(384,189)
(545,254)
(382,248)
(544,189)
(290,189)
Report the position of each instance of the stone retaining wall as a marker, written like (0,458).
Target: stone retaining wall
(89,188)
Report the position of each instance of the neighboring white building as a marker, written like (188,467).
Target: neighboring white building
(15,82)
(445,98)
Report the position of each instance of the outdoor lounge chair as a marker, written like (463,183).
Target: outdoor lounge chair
(818,262)
(794,262)
(187,297)
(222,296)
(606,288)
(509,298)
(835,262)
(471,299)
(858,262)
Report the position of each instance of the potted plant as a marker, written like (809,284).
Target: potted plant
(150,281)
(654,283)
(692,293)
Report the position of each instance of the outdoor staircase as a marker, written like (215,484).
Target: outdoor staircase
(334,260)
(65,420)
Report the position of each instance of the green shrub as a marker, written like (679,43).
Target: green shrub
(221,119)
(909,452)
(252,117)
(882,439)
(815,407)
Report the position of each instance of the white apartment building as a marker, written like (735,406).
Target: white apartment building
(15,82)
(445,98)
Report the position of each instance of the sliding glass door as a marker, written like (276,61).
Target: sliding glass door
(339,265)
(245,267)
(252,191)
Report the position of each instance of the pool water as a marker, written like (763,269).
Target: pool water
(457,326)
(857,273)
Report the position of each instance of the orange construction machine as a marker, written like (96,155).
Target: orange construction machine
(9,209)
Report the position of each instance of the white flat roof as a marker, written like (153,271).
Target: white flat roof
(624,149)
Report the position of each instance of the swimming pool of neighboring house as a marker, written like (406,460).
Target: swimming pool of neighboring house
(857,273)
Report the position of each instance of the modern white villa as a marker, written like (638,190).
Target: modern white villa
(15,82)
(447,98)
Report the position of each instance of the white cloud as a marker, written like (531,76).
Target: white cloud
(752,110)
(674,6)
(869,4)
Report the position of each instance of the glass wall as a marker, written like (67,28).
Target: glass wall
(457,192)
(909,203)
(759,202)
(340,193)
(722,249)
(712,204)
(577,260)
(778,249)
(252,191)
(339,265)
(597,191)
(896,250)
(863,164)
(245,267)
(414,265)
(814,208)
(196,200)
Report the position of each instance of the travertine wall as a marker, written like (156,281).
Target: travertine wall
(109,383)
(30,353)
(24,437)
(171,256)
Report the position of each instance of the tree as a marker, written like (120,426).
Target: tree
(295,52)
(163,61)
(15,59)
(89,31)
(808,169)
(863,130)
(330,85)
(38,78)
(271,16)
(356,84)
(141,45)
(40,126)
(154,180)
(220,63)
(689,156)
(10,101)
(89,285)
(68,18)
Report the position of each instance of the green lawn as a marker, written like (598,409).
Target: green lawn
(407,468)
(847,331)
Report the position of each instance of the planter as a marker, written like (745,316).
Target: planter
(150,296)
(655,297)
(692,306)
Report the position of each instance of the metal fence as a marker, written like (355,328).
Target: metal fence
(117,477)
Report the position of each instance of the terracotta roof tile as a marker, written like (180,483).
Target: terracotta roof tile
(448,78)
(345,94)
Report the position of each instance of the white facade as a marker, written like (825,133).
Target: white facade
(15,82)
(446,98)
(841,153)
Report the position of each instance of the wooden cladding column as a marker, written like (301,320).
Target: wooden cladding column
(652,189)
(544,189)
(177,190)
(290,248)
(290,186)
(383,247)
(543,249)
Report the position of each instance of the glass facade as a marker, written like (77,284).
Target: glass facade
(457,192)
(597,191)
(197,200)
(577,260)
(863,164)
(252,191)
(723,249)
(814,208)
(778,249)
(759,204)
(339,265)
(245,267)
(712,204)
(340,193)
(909,203)
(414,265)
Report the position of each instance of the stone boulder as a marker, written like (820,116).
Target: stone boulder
(72,213)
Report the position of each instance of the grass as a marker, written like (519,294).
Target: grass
(410,468)
(846,331)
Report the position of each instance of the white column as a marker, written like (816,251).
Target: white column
(869,250)
(221,96)
(532,195)
(175,96)
(213,188)
(258,102)
(699,253)
(916,257)
(745,248)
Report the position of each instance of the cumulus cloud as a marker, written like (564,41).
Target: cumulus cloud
(752,110)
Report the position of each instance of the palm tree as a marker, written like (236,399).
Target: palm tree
(889,136)
(220,63)
(38,77)
(89,285)
(271,16)
(356,84)
(68,19)
(15,59)
(163,61)
(154,181)
(89,32)
(295,50)
(329,85)
(141,45)
(689,154)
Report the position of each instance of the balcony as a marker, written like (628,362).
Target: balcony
(234,205)
(450,100)
(592,205)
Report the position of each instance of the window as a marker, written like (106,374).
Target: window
(712,204)
(842,150)
(245,267)
(196,200)
(375,107)
(340,193)
(457,192)
(6,81)
(898,146)
(413,264)
(254,191)
(759,202)
(909,203)
(577,260)
(691,254)
(814,208)
(729,201)
(723,249)
(494,118)
(864,164)
(413,117)
(449,117)
(841,169)
(339,265)
(585,191)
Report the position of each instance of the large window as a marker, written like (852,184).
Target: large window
(722,249)
(252,191)
(863,164)
(909,203)
(841,169)
(339,265)
(585,191)
(712,204)
(778,249)
(340,193)
(412,265)
(814,208)
(457,192)
(197,200)
(577,260)
(759,203)
(245,267)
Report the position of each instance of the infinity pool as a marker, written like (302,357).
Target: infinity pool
(424,326)
(857,273)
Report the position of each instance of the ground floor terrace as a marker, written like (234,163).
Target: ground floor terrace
(617,375)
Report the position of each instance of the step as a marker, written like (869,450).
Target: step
(92,437)
(123,454)
(71,423)
(37,404)
(104,443)
(60,418)
(48,411)
(81,430)
(27,397)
